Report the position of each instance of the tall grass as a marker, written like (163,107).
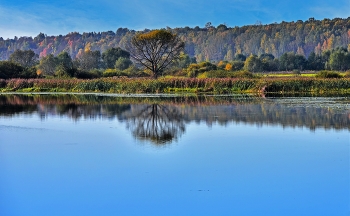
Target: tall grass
(168,85)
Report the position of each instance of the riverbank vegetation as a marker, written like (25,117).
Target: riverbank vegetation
(162,53)
(116,62)
(93,72)
(180,85)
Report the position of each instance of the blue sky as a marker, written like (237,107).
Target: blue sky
(30,17)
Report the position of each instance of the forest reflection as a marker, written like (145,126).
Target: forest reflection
(163,119)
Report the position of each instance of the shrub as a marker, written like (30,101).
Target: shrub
(192,73)
(243,74)
(237,65)
(2,83)
(10,70)
(113,73)
(122,63)
(215,74)
(88,74)
(328,74)
(347,74)
(296,72)
(16,84)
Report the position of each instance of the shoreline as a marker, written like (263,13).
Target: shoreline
(179,86)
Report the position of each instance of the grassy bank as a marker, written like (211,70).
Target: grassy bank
(171,85)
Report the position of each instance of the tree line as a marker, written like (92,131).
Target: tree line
(117,62)
(207,43)
(334,60)
(87,64)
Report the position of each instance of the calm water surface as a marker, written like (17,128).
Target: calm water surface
(106,155)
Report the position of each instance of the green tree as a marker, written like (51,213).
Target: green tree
(10,70)
(300,62)
(287,61)
(339,60)
(89,60)
(183,61)
(123,63)
(237,65)
(48,65)
(253,64)
(65,65)
(25,58)
(267,62)
(156,50)
(315,62)
(240,57)
(266,57)
(61,71)
(110,56)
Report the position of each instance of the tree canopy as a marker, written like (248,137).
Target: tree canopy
(156,50)
(111,55)
(204,43)
(25,58)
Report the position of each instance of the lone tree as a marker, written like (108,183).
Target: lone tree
(156,50)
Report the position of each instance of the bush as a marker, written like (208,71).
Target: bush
(113,73)
(88,74)
(133,71)
(328,74)
(10,70)
(215,74)
(296,72)
(2,83)
(347,74)
(122,63)
(192,73)
(237,65)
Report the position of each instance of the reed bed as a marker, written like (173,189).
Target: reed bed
(169,85)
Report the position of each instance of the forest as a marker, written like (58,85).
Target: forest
(209,52)
(208,43)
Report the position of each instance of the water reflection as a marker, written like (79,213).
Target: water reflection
(163,119)
(158,123)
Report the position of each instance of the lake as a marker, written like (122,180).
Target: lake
(91,154)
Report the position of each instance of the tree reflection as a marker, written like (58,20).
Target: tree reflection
(158,123)
(148,119)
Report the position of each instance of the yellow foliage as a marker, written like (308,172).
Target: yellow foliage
(39,72)
(221,64)
(87,47)
(330,42)
(156,34)
(228,67)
